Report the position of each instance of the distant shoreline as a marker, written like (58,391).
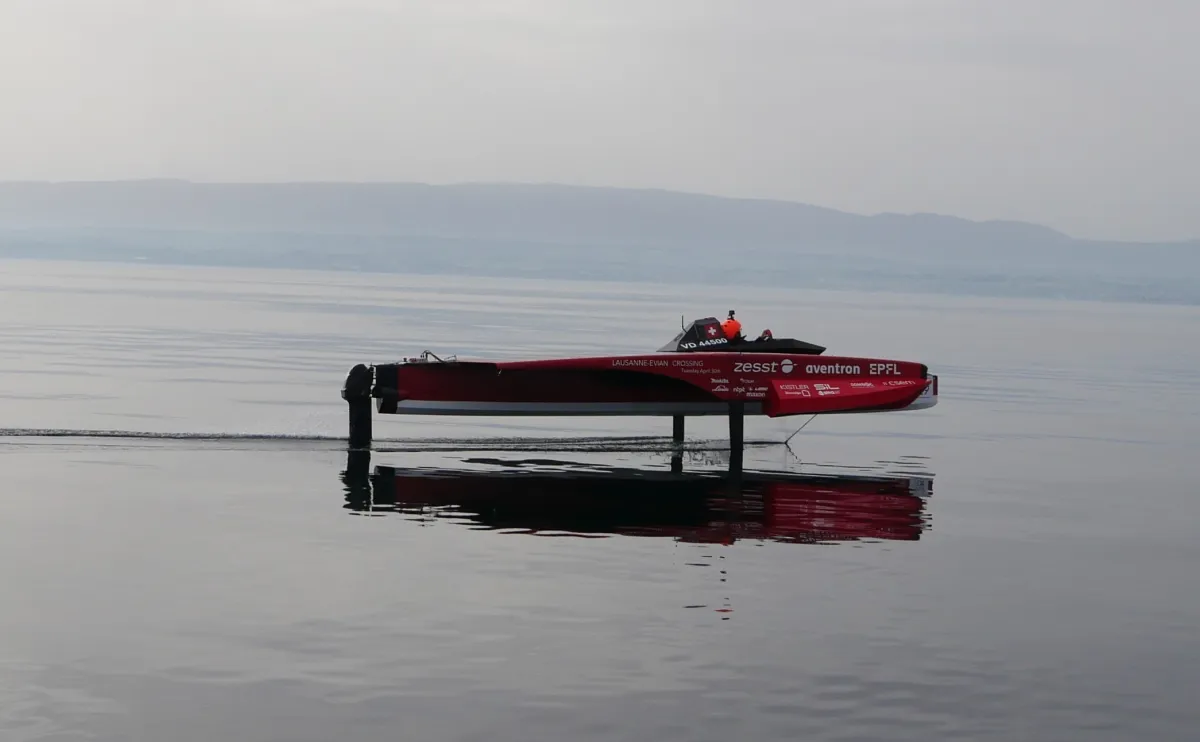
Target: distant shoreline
(915,275)
(578,233)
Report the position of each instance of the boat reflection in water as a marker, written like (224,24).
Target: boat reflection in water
(544,497)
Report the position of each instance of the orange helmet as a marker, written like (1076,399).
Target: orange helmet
(731,327)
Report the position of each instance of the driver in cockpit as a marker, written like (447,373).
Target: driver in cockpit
(733,330)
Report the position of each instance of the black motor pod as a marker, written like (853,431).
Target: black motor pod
(358,383)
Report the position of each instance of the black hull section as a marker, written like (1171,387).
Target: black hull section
(774,345)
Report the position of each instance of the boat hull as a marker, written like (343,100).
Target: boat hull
(659,384)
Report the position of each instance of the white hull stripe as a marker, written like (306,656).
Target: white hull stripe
(617,409)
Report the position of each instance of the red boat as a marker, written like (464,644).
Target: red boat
(700,372)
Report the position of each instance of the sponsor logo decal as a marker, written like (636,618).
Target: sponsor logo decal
(721,388)
(749,367)
(833,368)
(719,381)
(862,385)
(768,367)
(884,369)
(801,389)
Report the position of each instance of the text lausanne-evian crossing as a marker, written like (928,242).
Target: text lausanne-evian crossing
(786,366)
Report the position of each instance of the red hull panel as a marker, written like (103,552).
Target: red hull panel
(838,395)
(658,384)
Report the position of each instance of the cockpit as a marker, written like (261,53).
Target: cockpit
(706,335)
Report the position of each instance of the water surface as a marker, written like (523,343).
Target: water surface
(188,554)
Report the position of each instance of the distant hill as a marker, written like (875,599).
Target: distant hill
(542,213)
(552,213)
(560,231)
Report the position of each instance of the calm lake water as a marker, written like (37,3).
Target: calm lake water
(185,554)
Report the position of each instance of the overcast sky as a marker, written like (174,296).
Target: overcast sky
(1080,114)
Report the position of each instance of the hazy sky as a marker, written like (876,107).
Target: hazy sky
(1080,114)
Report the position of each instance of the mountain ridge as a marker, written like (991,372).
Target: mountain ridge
(539,211)
(586,233)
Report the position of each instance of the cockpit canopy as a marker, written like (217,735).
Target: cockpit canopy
(706,335)
(701,333)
